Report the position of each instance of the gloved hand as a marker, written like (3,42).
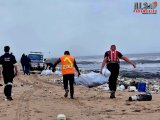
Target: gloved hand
(53,69)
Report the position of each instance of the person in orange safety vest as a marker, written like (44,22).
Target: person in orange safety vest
(68,70)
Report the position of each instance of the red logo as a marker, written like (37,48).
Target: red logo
(145,8)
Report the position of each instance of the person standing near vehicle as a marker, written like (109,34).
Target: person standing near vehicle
(68,64)
(111,59)
(23,62)
(27,65)
(9,70)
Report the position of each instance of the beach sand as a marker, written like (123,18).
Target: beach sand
(37,97)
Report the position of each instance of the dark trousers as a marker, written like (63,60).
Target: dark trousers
(27,69)
(70,78)
(8,85)
(23,68)
(114,69)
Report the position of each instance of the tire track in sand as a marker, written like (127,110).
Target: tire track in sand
(23,112)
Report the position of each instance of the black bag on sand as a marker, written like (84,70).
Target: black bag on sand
(141,97)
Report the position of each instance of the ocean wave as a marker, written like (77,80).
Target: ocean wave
(86,62)
(121,62)
(139,74)
(145,61)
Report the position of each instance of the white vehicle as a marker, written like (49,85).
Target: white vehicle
(37,62)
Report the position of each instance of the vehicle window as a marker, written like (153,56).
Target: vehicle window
(35,57)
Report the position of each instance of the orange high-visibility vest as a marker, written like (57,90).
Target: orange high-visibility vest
(67,62)
(113,56)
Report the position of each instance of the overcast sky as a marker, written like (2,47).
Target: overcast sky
(84,27)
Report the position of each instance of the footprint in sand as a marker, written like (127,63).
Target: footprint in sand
(136,111)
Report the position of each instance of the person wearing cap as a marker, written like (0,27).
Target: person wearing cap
(9,70)
(111,59)
(68,64)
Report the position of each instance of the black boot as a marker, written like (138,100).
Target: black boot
(9,98)
(66,93)
(72,97)
(112,94)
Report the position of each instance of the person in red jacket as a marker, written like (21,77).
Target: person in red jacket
(68,64)
(111,59)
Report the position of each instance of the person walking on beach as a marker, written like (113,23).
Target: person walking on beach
(9,70)
(27,65)
(111,59)
(68,64)
(23,62)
